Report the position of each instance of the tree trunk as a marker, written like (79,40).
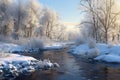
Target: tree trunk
(106,36)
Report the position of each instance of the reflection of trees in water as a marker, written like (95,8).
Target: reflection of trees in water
(59,56)
(93,71)
(38,75)
(112,74)
(98,72)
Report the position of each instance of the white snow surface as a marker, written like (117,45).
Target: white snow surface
(109,58)
(9,58)
(18,60)
(101,52)
(58,45)
(10,47)
(55,45)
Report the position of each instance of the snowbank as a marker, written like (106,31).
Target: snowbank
(109,58)
(13,65)
(10,47)
(14,48)
(101,52)
(57,45)
(80,50)
(9,58)
(53,46)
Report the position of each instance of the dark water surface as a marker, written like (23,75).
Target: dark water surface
(72,68)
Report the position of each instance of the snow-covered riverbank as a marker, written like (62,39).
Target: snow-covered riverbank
(10,47)
(14,48)
(102,52)
(13,65)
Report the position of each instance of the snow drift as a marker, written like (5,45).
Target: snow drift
(13,65)
(102,52)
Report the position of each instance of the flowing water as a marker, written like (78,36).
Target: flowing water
(73,68)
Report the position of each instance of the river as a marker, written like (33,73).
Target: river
(73,68)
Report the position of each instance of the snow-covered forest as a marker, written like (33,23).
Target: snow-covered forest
(28,18)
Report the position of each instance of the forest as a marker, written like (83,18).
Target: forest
(28,18)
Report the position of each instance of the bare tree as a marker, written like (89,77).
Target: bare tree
(103,16)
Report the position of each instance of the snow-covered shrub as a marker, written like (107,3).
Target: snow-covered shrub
(80,40)
(110,45)
(91,43)
(22,41)
(47,41)
(89,53)
(92,53)
(6,38)
(36,43)
(30,43)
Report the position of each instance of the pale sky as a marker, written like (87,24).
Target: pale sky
(67,10)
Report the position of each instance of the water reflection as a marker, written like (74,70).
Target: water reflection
(72,68)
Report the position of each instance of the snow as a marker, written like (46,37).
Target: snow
(16,64)
(57,45)
(103,48)
(109,58)
(24,60)
(10,47)
(102,52)
(81,49)
(54,45)
(11,64)
(15,58)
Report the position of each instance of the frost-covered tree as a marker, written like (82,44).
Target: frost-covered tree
(5,17)
(103,15)
(59,32)
(49,21)
(26,19)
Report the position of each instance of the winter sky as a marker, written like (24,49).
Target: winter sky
(68,10)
